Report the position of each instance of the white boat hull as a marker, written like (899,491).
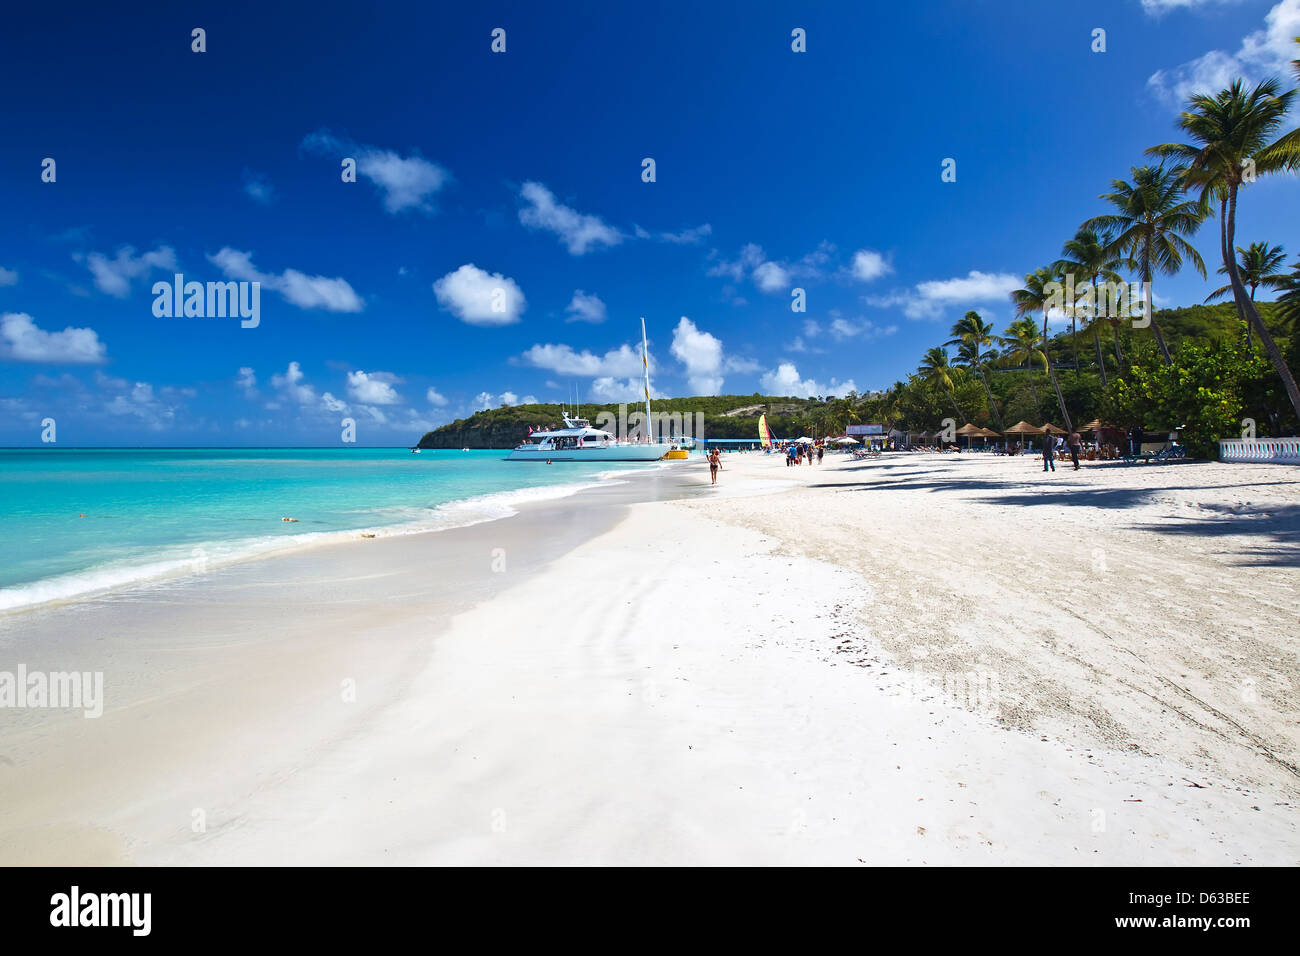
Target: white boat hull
(597,453)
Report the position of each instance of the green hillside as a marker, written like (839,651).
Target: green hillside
(505,427)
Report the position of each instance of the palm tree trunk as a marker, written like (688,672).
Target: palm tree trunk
(1247,307)
(1096,335)
(1074,341)
(1101,361)
(1119,355)
(1051,372)
(1150,311)
(993,405)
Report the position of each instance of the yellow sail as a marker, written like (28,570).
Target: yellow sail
(764,433)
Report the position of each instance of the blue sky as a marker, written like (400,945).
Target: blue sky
(522,172)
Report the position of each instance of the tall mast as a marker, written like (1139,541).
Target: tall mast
(645,360)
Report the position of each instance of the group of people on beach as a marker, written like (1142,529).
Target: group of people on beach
(803,454)
(1052,445)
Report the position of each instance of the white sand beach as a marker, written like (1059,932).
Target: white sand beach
(751,674)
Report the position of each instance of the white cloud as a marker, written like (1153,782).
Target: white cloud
(610,389)
(298,288)
(509,398)
(701,354)
(22,341)
(771,277)
(1263,53)
(138,400)
(585,308)
(373,388)
(976,286)
(8,277)
(622,361)
(435,397)
(113,276)
(403,182)
(868,265)
(480,298)
(929,299)
(247,382)
(258,188)
(292,385)
(333,404)
(484,401)
(579,232)
(1159,7)
(751,255)
(842,329)
(785,380)
(687,237)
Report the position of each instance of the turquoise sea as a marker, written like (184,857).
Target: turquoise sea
(76,521)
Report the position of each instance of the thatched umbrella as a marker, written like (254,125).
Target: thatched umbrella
(968,431)
(1023,428)
(1050,429)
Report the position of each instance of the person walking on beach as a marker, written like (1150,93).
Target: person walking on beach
(1049,453)
(820,451)
(715,462)
(1076,445)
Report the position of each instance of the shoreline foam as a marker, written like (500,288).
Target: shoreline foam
(205,555)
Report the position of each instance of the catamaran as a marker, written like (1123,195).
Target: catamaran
(579,441)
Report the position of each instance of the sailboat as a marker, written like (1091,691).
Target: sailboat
(579,441)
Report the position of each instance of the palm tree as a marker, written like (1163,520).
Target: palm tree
(1288,303)
(1087,255)
(1021,340)
(1036,296)
(1232,133)
(1259,265)
(936,370)
(974,338)
(1149,229)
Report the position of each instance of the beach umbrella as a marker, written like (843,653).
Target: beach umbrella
(1023,428)
(803,441)
(1093,426)
(968,431)
(1051,429)
(846,440)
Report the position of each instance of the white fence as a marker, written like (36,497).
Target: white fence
(1282,450)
